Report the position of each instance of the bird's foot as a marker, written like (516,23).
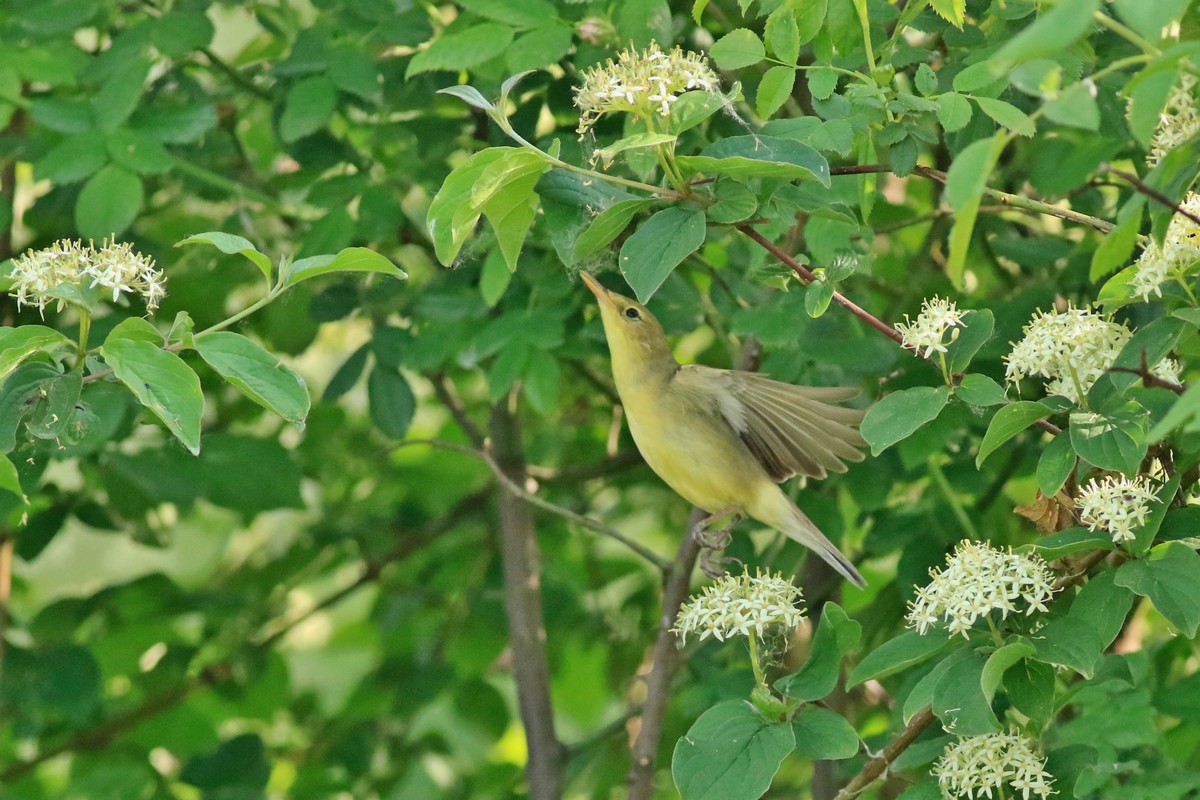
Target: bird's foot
(713,542)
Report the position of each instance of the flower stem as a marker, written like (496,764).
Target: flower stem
(760,678)
(85,329)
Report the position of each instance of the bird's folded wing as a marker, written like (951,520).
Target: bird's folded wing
(791,430)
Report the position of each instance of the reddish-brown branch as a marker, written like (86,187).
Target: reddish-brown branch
(879,764)
(808,277)
(1153,194)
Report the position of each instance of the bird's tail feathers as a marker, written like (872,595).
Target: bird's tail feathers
(799,527)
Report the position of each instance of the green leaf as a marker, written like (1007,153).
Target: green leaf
(999,662)
(19,397)
(979,324)
(906,650)
(730,753)
(72,159)
(542,378)
(610,224)
(521,13)
(232,245)
(898,415)
(108,204)
(161,382)
(494,278)
(138,152)
(351,259)
(975,77)
(1116,441)
(636,141)
(1007,423)
(1076,107)
(657,247)
(1169,576)
(1149,19)
(18,344)
(308,107)
(782,35)
(1117,246)
(1052,33)
(810,19)
(463,49)
(959,700)
(822,83)
(835,636)
(120,94)
(1029,686)
(735,202)
(1007,115)
(391,401)
(452,217)
(1055,465)
(256,373)
(926,80)
(969,172)
(136,329)
(10,481)
(1070,541)
(736,49)
(953,112)
(773,90)
(952,11)
(1065,642)
(759,157)
(1148,345)
(1182,413)
(816,298)
(822,735)
(541,47)
(469,95)
(691,109)
(980,390)
(1102,606)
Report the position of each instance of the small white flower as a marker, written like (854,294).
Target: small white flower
(1176,259)
(736,605)
(977,580)
(974,766)
(1117,505)
(641,82)
(1071,349)
(927,333)
(43,276)
(1179,120)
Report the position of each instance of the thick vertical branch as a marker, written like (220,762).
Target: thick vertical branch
(523,604)
(662,668)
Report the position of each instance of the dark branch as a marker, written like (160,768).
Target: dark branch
(876,767)
(1153,194)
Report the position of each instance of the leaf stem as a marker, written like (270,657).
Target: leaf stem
(1126,33)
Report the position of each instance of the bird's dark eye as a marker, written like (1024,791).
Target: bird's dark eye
(632,313)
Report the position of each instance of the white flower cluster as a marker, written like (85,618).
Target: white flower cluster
(63,270)
(1179,119)
(1117,505)
(1176,258)
(1072,349)
(977,580)
(641,83)
(928,332)
(975,766)
(737,605)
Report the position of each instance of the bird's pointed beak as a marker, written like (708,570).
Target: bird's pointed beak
(596,289)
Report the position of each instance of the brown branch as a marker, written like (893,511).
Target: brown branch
(808,277)
(515,489)
(1153,194)
(666,658)
(1149,379)
(523,606)
(874,768)
(577,473)
(6,556)
(446,392)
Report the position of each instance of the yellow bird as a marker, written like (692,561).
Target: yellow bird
(724,439)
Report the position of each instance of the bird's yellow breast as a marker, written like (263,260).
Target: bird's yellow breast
(692,448)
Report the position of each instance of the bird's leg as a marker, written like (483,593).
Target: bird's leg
(712,543)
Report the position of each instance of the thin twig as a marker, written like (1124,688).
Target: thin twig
(879,764)
(577,473)
(447,393)
(1153,194)
(518,491)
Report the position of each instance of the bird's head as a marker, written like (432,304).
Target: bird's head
(635,338)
